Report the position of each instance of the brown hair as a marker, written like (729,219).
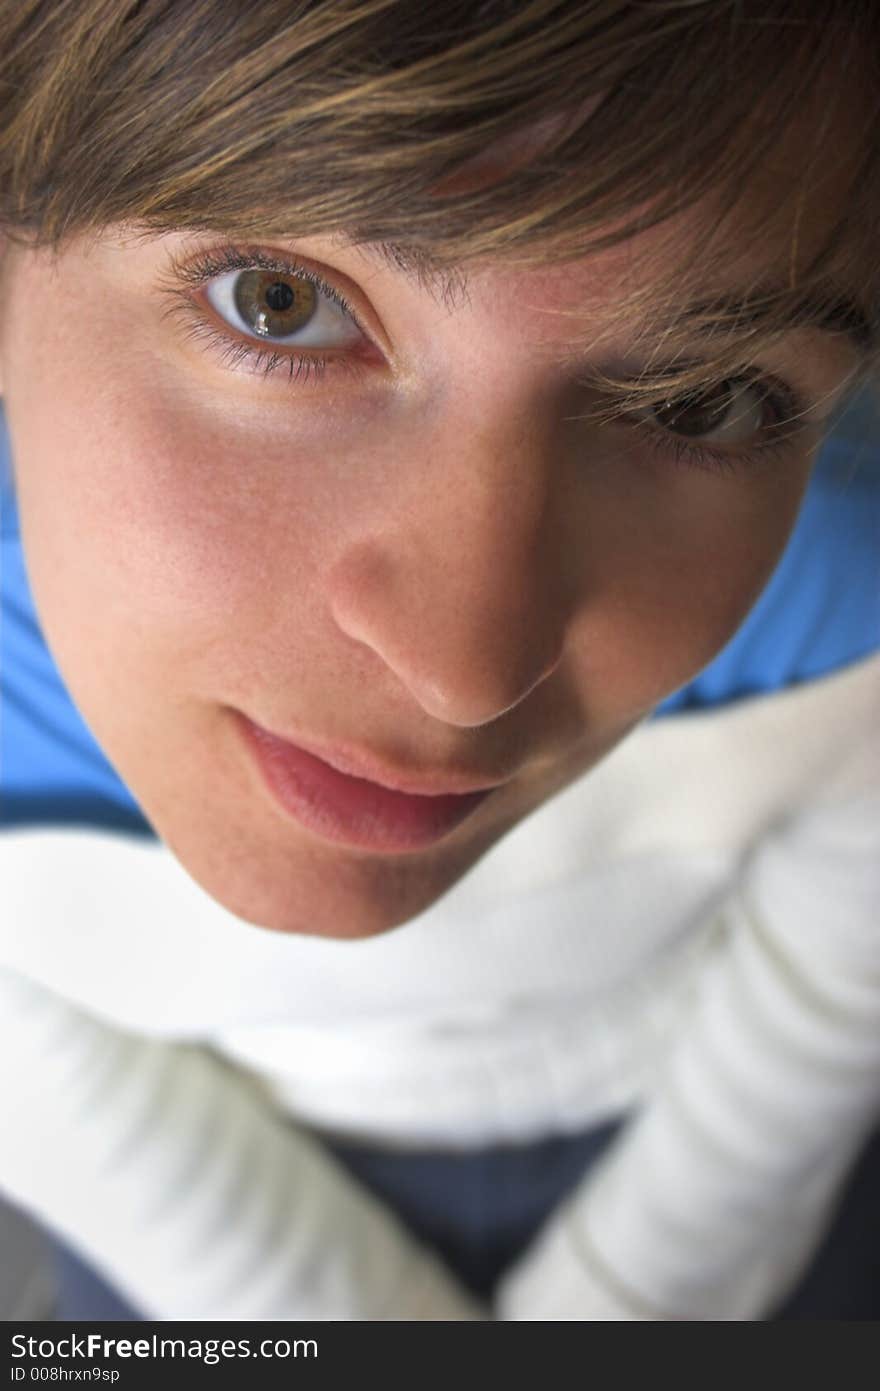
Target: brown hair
(286,117)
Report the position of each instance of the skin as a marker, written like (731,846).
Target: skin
(436,558)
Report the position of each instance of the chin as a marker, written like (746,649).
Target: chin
(330,921)
(278,879)
(346,900)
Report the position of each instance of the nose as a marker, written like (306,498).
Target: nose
(461,588)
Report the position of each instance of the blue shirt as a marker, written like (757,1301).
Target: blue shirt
(819,612)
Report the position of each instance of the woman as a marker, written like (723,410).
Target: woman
(431,766)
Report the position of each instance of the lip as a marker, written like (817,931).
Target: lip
(325,794)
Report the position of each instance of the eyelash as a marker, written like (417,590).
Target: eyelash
(194,273)
(787,408)
(200,270)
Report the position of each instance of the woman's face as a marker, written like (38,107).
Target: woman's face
(423,560)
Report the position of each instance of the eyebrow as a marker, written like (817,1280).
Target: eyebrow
(446,283)
(838,314)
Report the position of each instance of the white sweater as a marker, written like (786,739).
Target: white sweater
(690,934)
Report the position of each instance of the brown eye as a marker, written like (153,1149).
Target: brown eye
(696,413)
(732,412)
(282,308)
(274,305)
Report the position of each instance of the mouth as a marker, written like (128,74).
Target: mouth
(341,806)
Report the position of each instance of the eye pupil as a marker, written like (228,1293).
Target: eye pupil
(272,306)
(279,297)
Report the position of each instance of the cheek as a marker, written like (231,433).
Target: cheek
(151,545)
(679,560)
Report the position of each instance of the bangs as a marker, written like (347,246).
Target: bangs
(288,119)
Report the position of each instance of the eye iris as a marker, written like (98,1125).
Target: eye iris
(271,304)
(696,412)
